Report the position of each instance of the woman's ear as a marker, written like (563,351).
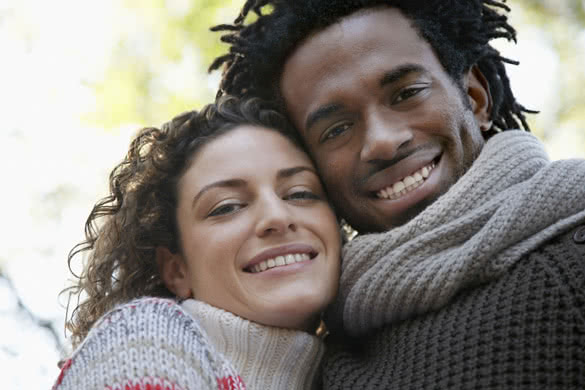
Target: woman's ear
(173,272)
(480,97)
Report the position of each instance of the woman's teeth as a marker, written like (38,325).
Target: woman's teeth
(279,261)
(409,183)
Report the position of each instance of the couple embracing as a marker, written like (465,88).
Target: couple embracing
(217,260)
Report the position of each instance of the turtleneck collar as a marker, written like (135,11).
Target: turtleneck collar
(265,357)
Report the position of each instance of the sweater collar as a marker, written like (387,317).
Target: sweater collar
(509,202)
(265,357)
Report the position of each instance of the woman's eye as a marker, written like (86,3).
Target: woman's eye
(335,131)
(302,195)
(225,209)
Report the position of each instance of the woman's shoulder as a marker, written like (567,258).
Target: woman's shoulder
(152,312)
(146,343)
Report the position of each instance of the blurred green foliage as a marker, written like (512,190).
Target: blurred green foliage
(159,42)
(563,24)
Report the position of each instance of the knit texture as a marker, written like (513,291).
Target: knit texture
(147,344)
(509,203)
(523,331)
(265,357)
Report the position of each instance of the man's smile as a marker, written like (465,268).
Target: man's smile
(403,176)
(407,184)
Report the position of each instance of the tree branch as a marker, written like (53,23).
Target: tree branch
(48,325)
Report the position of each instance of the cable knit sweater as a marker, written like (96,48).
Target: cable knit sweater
(157,344)
(524,331)
(485,289)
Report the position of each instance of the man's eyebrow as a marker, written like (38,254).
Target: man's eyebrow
(230,183)
(321,113)
(400,72)
(388,78)
(288,172)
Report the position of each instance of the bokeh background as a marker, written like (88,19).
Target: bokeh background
(79,77)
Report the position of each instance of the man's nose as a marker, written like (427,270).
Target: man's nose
(384,136)
(274,216)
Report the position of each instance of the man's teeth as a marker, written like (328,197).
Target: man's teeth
(280,261)
(409,183)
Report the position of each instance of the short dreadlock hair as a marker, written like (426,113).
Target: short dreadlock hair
(459,31)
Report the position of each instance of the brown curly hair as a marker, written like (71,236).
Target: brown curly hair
(124,229)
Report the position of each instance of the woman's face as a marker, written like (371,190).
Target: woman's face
(258,236)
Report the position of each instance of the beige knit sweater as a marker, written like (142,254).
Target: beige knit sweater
(265,357)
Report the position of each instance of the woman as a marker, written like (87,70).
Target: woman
(217,253)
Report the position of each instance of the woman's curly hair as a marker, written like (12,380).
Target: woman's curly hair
(124,229)
(459,31)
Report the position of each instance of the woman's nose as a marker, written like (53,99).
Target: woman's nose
(275,217)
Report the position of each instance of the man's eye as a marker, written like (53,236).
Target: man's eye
(407,93)
(225,209)
(335,131)
(301,195)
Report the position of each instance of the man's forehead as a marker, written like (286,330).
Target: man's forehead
(381,30)
(362,48)
(358,23)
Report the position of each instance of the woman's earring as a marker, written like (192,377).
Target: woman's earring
(322,330)
(347,232)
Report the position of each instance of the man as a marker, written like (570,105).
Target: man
(473,271)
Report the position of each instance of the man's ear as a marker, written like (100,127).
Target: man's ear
(173,272)
(480,97)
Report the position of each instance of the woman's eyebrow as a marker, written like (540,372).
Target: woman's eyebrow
(229,183)
(232,183)
(288,172)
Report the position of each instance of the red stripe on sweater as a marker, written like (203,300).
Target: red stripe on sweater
(230,383)
(64,368)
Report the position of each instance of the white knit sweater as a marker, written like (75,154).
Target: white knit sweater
(265,357)
(154,343)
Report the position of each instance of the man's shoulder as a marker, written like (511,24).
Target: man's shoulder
(567,246)
(562,260)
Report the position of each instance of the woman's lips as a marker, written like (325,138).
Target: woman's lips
(279,261)
(280,256)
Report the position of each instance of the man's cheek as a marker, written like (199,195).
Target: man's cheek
(334,180)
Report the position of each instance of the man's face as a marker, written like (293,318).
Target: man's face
(388,128)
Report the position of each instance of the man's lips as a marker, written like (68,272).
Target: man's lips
(282,255)
(408,184)
(402,175)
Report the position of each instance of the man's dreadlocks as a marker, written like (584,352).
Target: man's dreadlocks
(458,30)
